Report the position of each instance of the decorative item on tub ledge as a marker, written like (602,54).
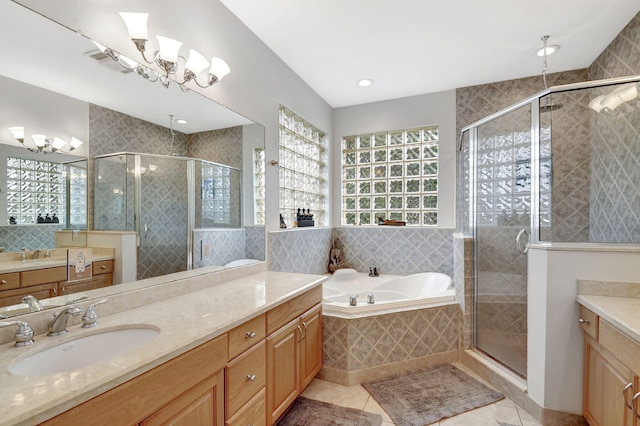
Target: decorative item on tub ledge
(389,222)
(304,219)
(282,224)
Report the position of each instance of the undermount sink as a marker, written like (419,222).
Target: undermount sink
(83,351)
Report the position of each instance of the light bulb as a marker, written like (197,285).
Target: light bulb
(57,143)
(75,142)
(136,24)
(17,132)
(39,140)
(168,48)
(196,62)
(219,68)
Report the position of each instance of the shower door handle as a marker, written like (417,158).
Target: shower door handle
(522,248)
(146,230)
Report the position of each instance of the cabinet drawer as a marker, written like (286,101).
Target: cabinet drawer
(283,314)
(589,323)
(252,413)
(246,335)
(246,375)
(9,281)
(102,267)
(43,276)
(621,346)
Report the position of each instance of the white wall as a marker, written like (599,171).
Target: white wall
(555,341)
(259,81)
(435,108)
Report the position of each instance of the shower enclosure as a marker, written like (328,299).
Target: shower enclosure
(560,166)
(163,199)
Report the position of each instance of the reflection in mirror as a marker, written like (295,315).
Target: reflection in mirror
(58,84)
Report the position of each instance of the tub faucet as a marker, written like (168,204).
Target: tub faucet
(59,324)
(36,254)
(47,254)
(34,304)
(373,271)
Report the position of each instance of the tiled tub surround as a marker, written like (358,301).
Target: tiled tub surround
(378,346)
(220,246)
(300,250)
(224,300)
(397,250)
(15,238)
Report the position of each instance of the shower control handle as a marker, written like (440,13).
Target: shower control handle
(522,249)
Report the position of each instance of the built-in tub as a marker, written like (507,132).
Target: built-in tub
(391,293)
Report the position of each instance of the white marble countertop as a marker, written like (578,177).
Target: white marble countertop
(621,312)
(185,321)
(8,266)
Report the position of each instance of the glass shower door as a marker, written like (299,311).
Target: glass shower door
(163,210)
(502,223)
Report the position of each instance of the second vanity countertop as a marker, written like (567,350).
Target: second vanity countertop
(185,321)
(621,312)
(8,266)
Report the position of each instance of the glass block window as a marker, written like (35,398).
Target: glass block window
(34,188)
(259,186)
(78,198)
(302,168)
(391,175)
(216,195)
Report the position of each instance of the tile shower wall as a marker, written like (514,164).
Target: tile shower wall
(255,242)
(217,246)
(397,250)
(15,238)
(375,341)
(222,146)
(615,166)
(304,251)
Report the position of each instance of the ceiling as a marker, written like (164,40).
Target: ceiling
(411,47)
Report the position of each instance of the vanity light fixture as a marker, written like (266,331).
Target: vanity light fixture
(168,58)
(42,143)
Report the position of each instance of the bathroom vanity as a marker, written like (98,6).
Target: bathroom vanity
(223,355)
(611,327)
(47,277)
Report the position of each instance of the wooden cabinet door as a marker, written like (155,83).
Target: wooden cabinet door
(283,369)
(605,381)
(97,281)
(202,405)
(311,347)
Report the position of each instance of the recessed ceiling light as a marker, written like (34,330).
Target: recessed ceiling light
(365,82)
(550,50)
(181,121)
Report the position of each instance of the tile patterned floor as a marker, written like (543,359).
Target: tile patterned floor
(501,413)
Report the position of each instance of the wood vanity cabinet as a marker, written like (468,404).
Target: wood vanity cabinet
(187,390)
(294,350)
(248,376)
(51,282)
(610,373)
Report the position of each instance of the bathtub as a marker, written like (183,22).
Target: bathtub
(391,293)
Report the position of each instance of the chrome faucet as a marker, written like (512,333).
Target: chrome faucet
(24,335)
(59,324)
(34,304)
(90,318)
(23,255)
(36,254)
(47,254)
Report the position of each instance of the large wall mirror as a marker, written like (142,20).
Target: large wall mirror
(180,170)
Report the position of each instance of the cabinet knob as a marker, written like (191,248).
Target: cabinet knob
(583,321)
(251,334)
(103,267)
(251,377)
(4,281)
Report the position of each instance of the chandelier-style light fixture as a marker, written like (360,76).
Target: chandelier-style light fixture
(167,56)
(44,144)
